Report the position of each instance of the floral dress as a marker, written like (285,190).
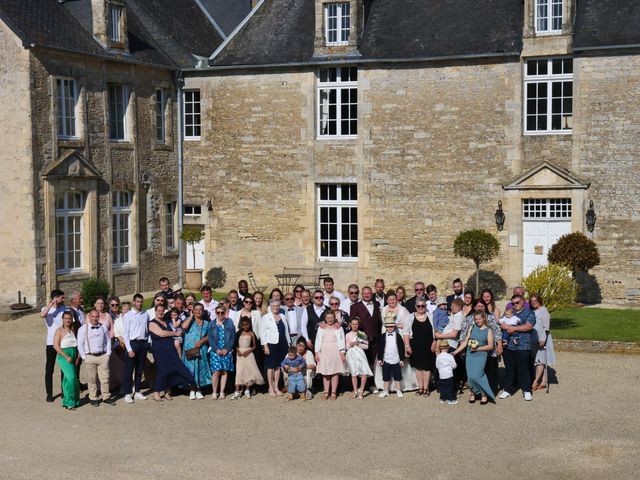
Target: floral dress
(199,367)
(219,362)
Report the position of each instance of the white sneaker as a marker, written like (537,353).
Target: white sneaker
(527,396)
(139,396)
(399,394)
(443,402)
(236,395)
(504,395)
(452,402)
(309,395)
(247,393)
(128,399)
(192,395)
(383,394)
(199,395)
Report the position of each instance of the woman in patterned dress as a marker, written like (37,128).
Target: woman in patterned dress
(195,336)
(222,337)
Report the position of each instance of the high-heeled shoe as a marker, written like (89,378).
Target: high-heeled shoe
(472,399)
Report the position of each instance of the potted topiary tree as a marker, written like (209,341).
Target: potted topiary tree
(477,245)
(191,236)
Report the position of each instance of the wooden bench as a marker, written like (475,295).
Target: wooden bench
(310,277)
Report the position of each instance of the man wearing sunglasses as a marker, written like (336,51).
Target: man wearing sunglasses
(296,317)
(353,293)
(419,289)
(315,315)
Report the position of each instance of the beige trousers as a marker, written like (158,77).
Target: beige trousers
(97,368)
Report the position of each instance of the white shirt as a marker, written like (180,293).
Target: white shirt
(431,307)
(79,314)
(53,321)
(292,320)
(346,304)
(380,300)
(136,327)
(118,326)
(210,307)
(455,323)
(234,315)
(336,294)
(445,363)
(512,321)
(98,340)
(369,306)
(319,310)
(311,362)
(391,349)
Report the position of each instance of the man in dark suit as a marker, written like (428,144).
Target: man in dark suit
(458,292)
(419,289)
(315,315)
(369,313)
(380,295)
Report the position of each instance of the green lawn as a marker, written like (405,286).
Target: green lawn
(596,324)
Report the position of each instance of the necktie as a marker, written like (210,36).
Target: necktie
(290,309)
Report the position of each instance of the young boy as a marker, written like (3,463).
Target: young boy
(310,371)
(456,312)
(440,317)
(512,320)
(294,365)
(445,363)
(391,358)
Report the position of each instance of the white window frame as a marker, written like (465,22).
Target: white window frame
(123,96)
(67,113)
(192,210)
(191,118)
(71,216)
(160,115)
(339,85)
(121,221)
(549,79)
(341,14)
(116,13)
(339,203)
(546,209)
(549,5)
(170,226)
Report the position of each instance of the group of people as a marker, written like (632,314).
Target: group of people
(385,342)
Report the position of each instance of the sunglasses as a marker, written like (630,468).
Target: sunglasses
(247,301)
(318,298)
(288,299)
(419,289)
(219,313)
(354,293)
(421,306)
(115,304)
(297,290)
(334,304)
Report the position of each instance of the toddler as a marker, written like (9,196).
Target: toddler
(445,363)
(440,317)
(391,358)
(512,320)
(294,365)
(310,371)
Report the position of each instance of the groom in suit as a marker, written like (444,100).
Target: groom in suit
(369,312)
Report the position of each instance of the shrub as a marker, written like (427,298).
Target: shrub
(575,250)
(554,283)
(477,245)
(216,277)
(191,236)
(91,288)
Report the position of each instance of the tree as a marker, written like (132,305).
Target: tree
(191,236)
(477,245)
(575,250)
(91,288)
(554,283)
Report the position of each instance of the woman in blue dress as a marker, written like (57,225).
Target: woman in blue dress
(195,336)
(478,342)
(222,337)
(170,371)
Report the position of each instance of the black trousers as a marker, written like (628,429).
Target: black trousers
(135,364)
(460,373)
(517,363)
(48,370)
(491,369)
(446,388)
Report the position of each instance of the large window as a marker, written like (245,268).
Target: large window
(69,210)
(548,87)
(548,16)
(121,227)
(115,23)
(67,101)
(338,222)
(117,112)
(192,114)
(337,22)
(170,225)
(546,208)
(161,104)
(338,102)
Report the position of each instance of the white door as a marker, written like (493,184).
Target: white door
(199,257)
(544,222)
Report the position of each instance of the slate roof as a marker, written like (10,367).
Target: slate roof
(606,24)
(68,26)
(227,13)
(282,31)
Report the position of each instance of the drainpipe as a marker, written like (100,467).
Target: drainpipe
(180,208)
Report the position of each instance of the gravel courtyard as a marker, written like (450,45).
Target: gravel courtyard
(587,427)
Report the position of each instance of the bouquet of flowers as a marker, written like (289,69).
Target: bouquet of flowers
(361,338)
(473,344)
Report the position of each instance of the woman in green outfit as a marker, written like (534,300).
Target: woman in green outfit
(66,344)
(479,343)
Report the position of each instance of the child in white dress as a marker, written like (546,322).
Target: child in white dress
(357,364)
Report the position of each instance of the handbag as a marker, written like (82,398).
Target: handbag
(193,353)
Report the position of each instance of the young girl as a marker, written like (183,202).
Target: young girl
(357,364)
(175,324)
(247,372)
(330,355)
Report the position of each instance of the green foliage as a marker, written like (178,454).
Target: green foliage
(477,245)
(554,283)
(575,250)
(192,235)
(91,288)
(216,277)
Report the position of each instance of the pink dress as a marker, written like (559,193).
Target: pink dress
(330,362)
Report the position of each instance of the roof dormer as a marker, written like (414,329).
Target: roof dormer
(548,27)
(338,27)
(110,23)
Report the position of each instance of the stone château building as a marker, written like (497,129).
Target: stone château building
(362,136)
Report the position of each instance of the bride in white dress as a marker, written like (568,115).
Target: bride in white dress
(409,380)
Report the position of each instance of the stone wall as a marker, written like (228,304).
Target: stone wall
(17,236)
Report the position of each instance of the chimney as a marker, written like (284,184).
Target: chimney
(338,27)
(110,23)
